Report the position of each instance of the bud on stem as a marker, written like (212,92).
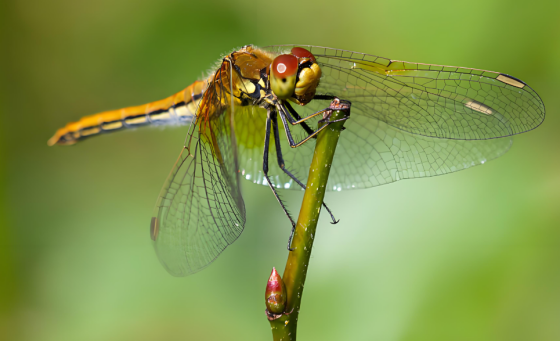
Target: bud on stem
(275,294)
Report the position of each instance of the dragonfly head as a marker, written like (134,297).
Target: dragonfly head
(295,76)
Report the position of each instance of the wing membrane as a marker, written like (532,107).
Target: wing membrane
(200,210)
(374,153)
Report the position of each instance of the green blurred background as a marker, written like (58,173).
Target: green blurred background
(473,255)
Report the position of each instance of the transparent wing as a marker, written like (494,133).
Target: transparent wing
(430,100)
(369,153)
(200,210)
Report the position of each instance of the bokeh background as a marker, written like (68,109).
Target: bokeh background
(473,255)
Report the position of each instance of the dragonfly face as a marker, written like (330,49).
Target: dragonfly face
(409,120)
(295,76)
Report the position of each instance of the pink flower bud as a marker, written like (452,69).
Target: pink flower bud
(275,294)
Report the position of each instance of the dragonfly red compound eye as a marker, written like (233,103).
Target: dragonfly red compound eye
(285,65)
(300,52)
(283,75)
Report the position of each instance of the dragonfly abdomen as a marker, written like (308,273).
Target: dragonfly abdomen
(176,109)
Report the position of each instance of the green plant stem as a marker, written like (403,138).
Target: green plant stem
(285,326)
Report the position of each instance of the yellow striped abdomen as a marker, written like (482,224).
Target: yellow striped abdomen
(179,108)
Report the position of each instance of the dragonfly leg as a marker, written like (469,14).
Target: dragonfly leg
(296,116)
(291,140)
(282,165)
(265,170)
(298,120)
(302,120)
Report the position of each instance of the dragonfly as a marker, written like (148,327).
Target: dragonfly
(409,120)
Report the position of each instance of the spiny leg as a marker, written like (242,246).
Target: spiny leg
(298,120)
(302,120)
(296,116)
(282,165)
(265,170)
(284,116)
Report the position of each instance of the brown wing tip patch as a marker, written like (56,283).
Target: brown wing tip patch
(511,80)
(154,228)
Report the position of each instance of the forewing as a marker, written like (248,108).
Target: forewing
(200,210)
(430,100)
